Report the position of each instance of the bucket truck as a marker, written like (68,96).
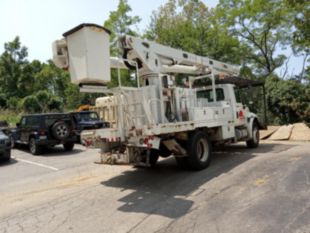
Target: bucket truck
(157,117)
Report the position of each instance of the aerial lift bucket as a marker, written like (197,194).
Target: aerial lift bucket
(88,46)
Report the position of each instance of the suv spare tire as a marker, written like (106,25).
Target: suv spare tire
(60,130)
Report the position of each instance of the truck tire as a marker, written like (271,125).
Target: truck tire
(254,142)
(68,146)
(60,130)
(154,156)
(34,148)
(199,151)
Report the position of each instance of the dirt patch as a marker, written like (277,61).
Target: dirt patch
(300,132)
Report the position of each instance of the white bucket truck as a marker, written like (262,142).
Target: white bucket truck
(157,117)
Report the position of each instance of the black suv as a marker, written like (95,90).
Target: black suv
(87,120)
(42,130)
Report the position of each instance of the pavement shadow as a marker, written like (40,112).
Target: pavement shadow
(263,148)
(8,163)
(51,151)
(164,189)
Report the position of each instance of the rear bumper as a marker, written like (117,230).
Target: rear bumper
(53,142)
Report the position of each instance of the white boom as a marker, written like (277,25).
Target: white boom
(163,59)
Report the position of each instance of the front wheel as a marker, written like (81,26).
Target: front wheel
(254,141)
(199,151)
(34,148)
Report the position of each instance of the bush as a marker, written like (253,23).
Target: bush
(55,104)
(10,116)
(13,103)
(31,104)
(43,98)
(3,102)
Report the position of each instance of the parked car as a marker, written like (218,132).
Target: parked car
(87,120)
(42,130)
(5,146)
(4,126)
(8,131)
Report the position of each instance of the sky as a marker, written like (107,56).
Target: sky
(38,23)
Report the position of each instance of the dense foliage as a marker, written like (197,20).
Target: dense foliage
(250,33)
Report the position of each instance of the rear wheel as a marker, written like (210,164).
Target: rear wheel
(68,146)
(34,148)
(199,152)
(154,156)
(254,142)
(7,157)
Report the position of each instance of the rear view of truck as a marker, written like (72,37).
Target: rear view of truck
(157,117)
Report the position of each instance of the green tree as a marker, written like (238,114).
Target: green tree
(3,101)
(301,35)
(12,64)
(55,104)
(43,98)
(288,100)
(301,21)
(263,26)
(30,104)
(190,26)
(121,23)
(52,79)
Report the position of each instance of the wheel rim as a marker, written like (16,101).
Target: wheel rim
(255,134)
(61,131)
(202,150)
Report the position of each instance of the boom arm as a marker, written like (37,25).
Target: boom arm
(85,52)
(157,58)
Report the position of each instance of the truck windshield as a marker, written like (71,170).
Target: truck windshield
(88,116)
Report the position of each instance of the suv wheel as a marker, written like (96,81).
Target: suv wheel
(34,148)
(68,146)
(60,130)
(7,157)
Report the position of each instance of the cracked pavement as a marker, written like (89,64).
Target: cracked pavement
(244,190)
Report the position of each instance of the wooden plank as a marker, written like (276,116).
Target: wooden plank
(283,133)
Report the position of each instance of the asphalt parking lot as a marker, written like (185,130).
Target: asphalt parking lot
(259,190)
